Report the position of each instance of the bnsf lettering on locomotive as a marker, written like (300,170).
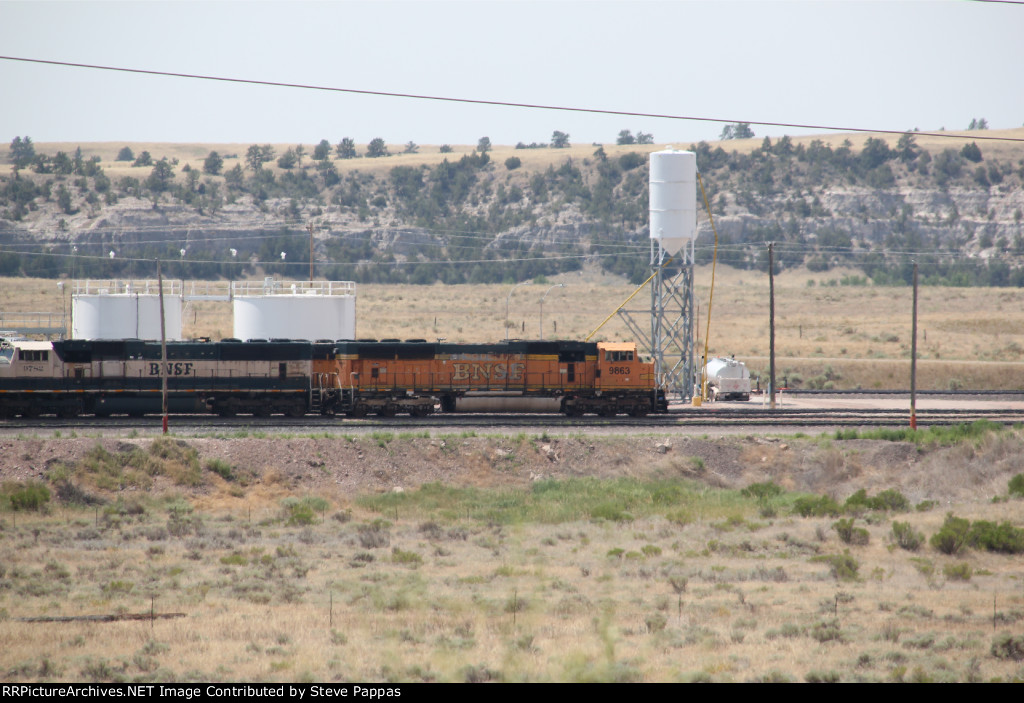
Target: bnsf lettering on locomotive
(174,368)
(465,371)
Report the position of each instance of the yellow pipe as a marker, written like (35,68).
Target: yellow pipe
(711,294)
(640,288)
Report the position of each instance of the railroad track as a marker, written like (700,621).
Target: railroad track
(703,417)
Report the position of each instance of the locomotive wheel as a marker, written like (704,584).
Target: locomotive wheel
(357,411)
(638,411)
(261,411)
(609,411)
(388,410)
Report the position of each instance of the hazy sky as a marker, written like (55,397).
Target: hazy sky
(885,65)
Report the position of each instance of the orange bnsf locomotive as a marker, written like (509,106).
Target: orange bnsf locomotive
(296,377)
(417,377)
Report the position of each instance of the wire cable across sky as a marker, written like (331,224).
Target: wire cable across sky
(501,103)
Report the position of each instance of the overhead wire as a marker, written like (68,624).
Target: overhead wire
(497,103)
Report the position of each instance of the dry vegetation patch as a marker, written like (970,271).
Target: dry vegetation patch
(561,558)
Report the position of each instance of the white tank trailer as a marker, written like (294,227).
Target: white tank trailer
(728,379)
(294,309)
(673,197)
(116,309)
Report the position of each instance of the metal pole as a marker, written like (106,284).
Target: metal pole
(913,358)
(163,346)
(508,298)
(309,228)
(557,285)
(771,323)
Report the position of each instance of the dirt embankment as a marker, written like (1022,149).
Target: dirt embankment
(344,467)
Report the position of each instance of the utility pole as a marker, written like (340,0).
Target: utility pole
(309,228)
(913,358)
(771,323)
(163,346)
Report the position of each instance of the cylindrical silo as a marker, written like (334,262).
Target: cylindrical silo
(673,198)
(294,310)
(125,310)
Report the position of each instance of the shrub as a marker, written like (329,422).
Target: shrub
(906,537)
(221,468)
(1006,646)
(827,631)
(400,556)
(850,534)
(28,496)
(609,511)
(1004,537)
(1016,486)
(375,534)
(513,162)
(762,491)
(300,514)
(886,500)
(843,566)
(958,572)
(819,506)
(823,677)
(890,499)
(952,537)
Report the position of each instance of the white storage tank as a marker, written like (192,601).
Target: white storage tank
(125,310)
(294,309)
(673,198)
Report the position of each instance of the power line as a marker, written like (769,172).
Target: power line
(500,103)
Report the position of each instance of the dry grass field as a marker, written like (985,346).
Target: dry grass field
(661,570)
(849,336)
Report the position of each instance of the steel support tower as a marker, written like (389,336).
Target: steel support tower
(667,327)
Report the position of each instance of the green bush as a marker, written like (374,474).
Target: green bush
(28,496)
(221,468)
(400,556)
(952,536)
(958,572)
(1016,486)
(906,537)
(827,631)
(762,491)
(1003,538)
(889,499)
(609,511)
(843,566)
(1006,646)
(300,514)
(823,677)
(850,534)
(816,506)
